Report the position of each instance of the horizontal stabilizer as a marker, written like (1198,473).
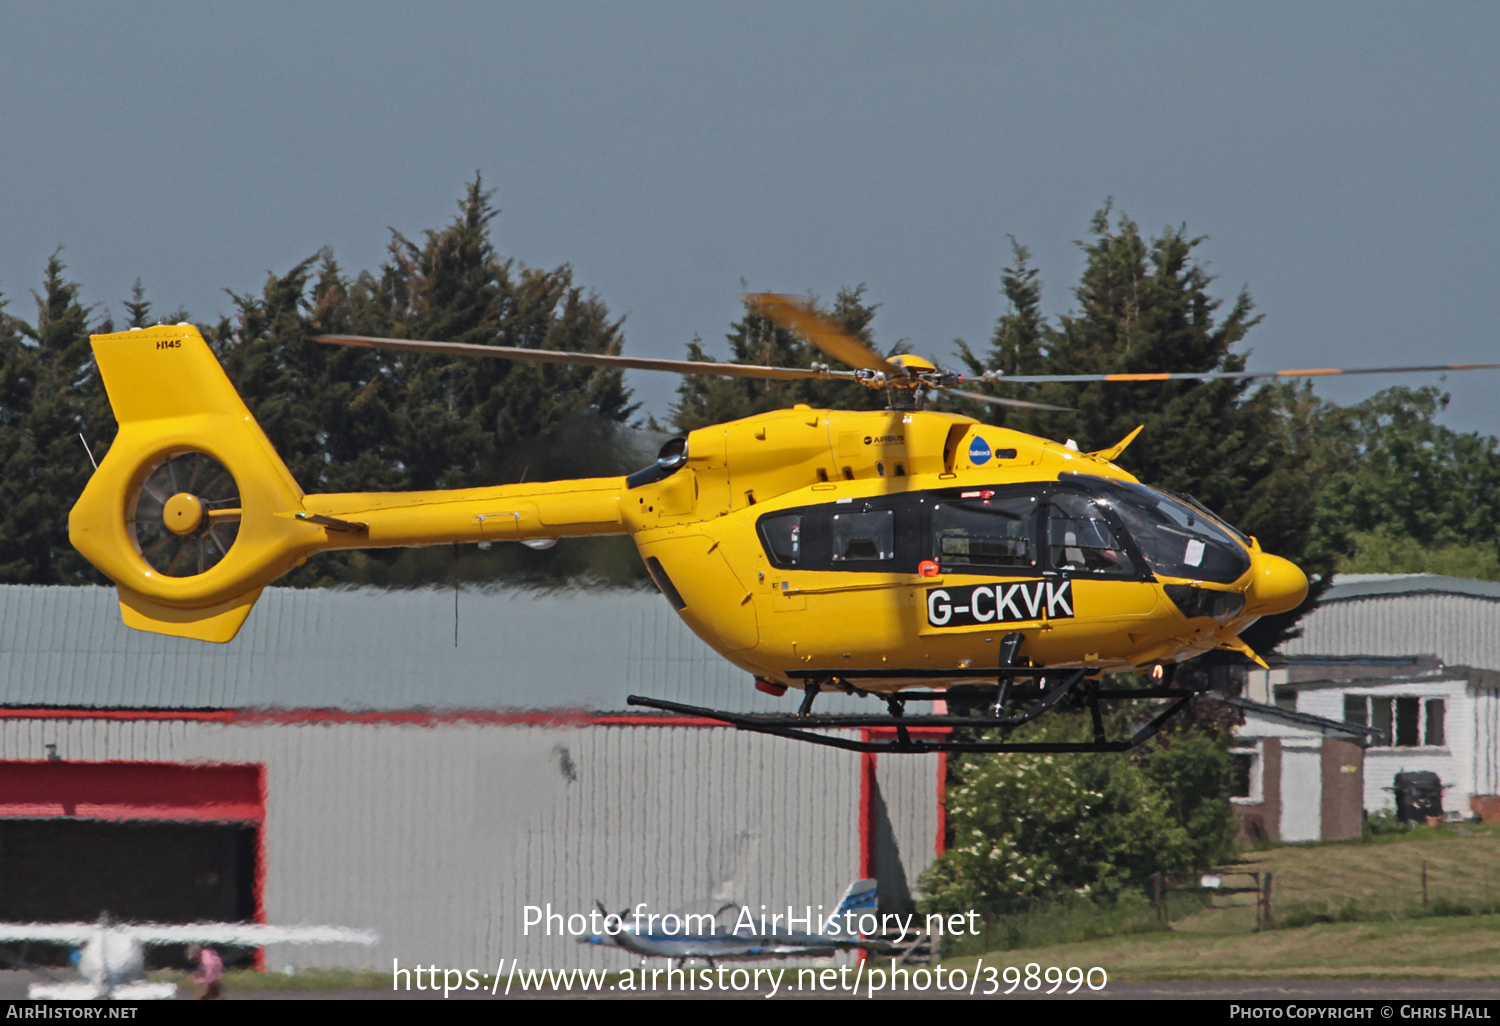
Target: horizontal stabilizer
(218,623)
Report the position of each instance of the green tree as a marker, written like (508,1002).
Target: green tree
(355,419)
(49,395)
(1029,828)
(1404,494)
(1045,827)
(1144,305)
(1019,342)
(469,422)
(137,307)
(1193,772)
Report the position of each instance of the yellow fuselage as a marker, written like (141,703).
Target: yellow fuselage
(700,527)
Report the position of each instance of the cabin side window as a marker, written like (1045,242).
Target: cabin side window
(845,536)
(987,531)
(868,537)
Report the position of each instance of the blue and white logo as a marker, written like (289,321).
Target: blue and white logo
(979,451)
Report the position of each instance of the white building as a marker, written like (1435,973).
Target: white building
(1416,657)
(1298,777)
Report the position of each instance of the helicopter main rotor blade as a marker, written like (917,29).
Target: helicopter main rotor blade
(795,315)
(998,401)
(1437,368)
(726,370)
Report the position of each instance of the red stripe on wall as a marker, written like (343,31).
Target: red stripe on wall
(399,717)
(54,713)
(132,790)
(867,785)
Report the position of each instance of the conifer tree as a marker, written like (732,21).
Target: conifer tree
(1143,305)
(138,307)
(357,419)
(50,394)
(1019,342)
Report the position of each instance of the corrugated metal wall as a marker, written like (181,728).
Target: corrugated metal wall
(439,836)
(372,649)
(1462,630)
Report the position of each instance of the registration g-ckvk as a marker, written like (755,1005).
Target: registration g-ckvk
(1015,602)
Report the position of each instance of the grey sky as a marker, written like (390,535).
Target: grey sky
(1341,157)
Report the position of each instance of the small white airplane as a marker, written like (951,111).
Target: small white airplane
(728,938)
(112,955)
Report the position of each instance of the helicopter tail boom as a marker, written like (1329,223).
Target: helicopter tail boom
(526,513)
(191,513)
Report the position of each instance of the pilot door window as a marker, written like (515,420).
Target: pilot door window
(989,533)
(1081,539)
(782,535)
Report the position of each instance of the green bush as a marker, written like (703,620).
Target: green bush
(1028,828)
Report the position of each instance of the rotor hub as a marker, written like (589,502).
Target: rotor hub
(184,514)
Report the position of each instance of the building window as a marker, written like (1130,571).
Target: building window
(1403,721)
(1245,776)
(1435,722)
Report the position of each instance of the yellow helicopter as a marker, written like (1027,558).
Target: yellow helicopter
(869,552)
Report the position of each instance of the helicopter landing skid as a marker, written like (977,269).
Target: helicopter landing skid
(930,733)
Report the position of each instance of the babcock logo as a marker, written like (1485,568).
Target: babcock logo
(979,451)
(1017,602)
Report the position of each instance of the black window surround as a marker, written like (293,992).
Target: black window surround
(928,525)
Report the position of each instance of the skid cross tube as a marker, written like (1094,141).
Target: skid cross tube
(800,728)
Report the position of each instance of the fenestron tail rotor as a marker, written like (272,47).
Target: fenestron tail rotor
(185,515)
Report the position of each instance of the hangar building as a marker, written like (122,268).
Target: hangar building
(423,763)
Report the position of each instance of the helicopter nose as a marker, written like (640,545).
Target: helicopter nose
(1276,585)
